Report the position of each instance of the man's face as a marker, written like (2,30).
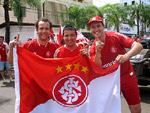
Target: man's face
(43,30)
(97,29)
(70,38)
(1,40)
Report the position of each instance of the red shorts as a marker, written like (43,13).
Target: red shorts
(129,87)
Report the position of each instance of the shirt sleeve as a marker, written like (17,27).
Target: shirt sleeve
(124,40)
(25,45)
(57,53)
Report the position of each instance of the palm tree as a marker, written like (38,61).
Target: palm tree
(17,7)
(114,14)
(135,13)
(91,11)
(145,18)
(6,10)
(129,17)
(79,16)
(73,15)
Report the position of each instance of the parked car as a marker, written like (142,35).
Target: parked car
(146,43)
(141,63)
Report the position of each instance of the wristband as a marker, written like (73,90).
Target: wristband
(129,54)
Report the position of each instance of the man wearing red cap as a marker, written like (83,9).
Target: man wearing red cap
(108,48)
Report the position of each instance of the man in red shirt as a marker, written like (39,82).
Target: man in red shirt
(108,48)
(71,48)
(3,59)
(41,45)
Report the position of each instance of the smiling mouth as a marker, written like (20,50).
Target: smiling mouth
(70,41)
(44,36)
(96,33)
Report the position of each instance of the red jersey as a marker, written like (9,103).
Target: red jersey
(63,52)
(46,51)
(115,44)
(3,52)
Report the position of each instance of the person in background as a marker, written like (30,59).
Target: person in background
(138,39)
(133,37)
(108,48)
(3,59)
(41,45)
(29,39)
(70,48)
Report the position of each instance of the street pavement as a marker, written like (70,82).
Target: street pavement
(7,98)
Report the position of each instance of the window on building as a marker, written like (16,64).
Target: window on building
(133,2)
(125,4)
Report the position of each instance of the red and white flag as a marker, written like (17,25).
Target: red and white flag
(52,35)
(60,35)
(81,37)
(68,85)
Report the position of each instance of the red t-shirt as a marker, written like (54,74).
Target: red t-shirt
(115,44)
(46,51)
(3,52)
(63,52)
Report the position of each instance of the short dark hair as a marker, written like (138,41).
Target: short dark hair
(69,27)
(2,37)
(15,37)
(44,20)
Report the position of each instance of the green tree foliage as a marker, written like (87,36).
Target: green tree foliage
(145,18)
(114,14)
(79,16)
(134,14)
(17,7)
(140,13)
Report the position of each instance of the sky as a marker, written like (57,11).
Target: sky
(100,3)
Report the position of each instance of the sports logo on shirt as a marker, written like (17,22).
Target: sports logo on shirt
(35,53)
(70,91)
(48,53)
(113,49)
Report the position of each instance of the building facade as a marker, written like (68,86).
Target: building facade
(132,2)
(27,29)
(125,27)
(49,9)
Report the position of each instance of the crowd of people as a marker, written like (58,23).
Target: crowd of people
(107,49)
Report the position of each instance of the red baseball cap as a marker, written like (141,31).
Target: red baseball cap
(95,19)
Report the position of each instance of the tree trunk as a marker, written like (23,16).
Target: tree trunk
(145,27)
(138,23)
(142,30)
(39,12)
(7,22)
(118,27)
